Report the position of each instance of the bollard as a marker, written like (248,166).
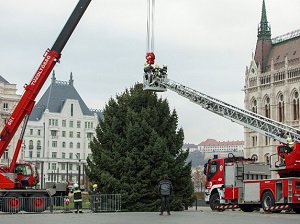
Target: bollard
(66,202)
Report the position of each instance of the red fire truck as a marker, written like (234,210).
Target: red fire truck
(18,180)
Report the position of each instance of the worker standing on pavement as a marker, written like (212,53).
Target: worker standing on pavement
(165,189)
(96,198)
(77,199)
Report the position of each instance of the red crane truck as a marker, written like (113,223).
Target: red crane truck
(17,181)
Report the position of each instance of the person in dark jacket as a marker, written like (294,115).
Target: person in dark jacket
(77,199)
(96,198)
(165,189)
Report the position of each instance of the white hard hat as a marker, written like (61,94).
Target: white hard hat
(95,186)
(75,185)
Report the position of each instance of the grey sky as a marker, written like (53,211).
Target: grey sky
(206,45)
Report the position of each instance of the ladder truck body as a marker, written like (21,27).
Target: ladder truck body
(19,179)
(237,181)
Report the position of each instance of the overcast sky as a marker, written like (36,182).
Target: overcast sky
(206,45)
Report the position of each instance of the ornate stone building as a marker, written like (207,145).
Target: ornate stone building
(272,85)
(58,134)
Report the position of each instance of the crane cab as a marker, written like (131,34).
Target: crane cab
(154,77)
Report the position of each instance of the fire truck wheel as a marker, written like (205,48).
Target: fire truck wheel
(214,201)
(36,203)
(268,201)
(12,203)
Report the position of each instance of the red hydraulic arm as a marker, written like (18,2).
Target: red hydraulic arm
(27,101)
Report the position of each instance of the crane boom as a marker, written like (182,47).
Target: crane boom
(27,101)
(248,119)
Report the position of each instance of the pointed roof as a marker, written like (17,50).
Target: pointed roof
(55,97)
(3,80)
(264,29)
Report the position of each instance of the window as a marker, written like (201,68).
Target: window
(267,107)
(53,122)
(280,108)
(70,166)
(38,132)
(53,166)
(38,145)
(64,144)
(54,155)
(63,155)
(38,154)
(5,106)
(72,109)
(71,134)
(295,105)
(78,124)
(31,131)
(89,135)
(254,106)
(54,144)
(5,154)
(254,141)
(64,123)
(267,158)
(88,124)
(78,155)
(71,145)
(63,166)
(63,133)
(255,157)
(70,155)
(71,124)
(78,145)
(78,134)
(53,133)
(30,144)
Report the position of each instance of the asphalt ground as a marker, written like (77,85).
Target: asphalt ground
(199,216)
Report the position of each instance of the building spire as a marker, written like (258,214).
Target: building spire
(71,81)
(264,28)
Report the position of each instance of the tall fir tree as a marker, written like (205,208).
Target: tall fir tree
(136,143)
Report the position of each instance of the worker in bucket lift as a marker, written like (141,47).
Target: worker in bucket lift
(164,70)
(148,72)
(77,199)
(288,149)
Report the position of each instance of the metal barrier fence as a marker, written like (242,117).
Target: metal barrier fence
(59,204)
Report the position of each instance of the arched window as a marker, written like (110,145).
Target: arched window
(254,106)
(267,107)
(71,145)
(295,106)
(78,145)
(255,157)
(281,108)
(63,144)
(267,158)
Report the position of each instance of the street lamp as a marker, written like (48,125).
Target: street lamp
(79,169)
